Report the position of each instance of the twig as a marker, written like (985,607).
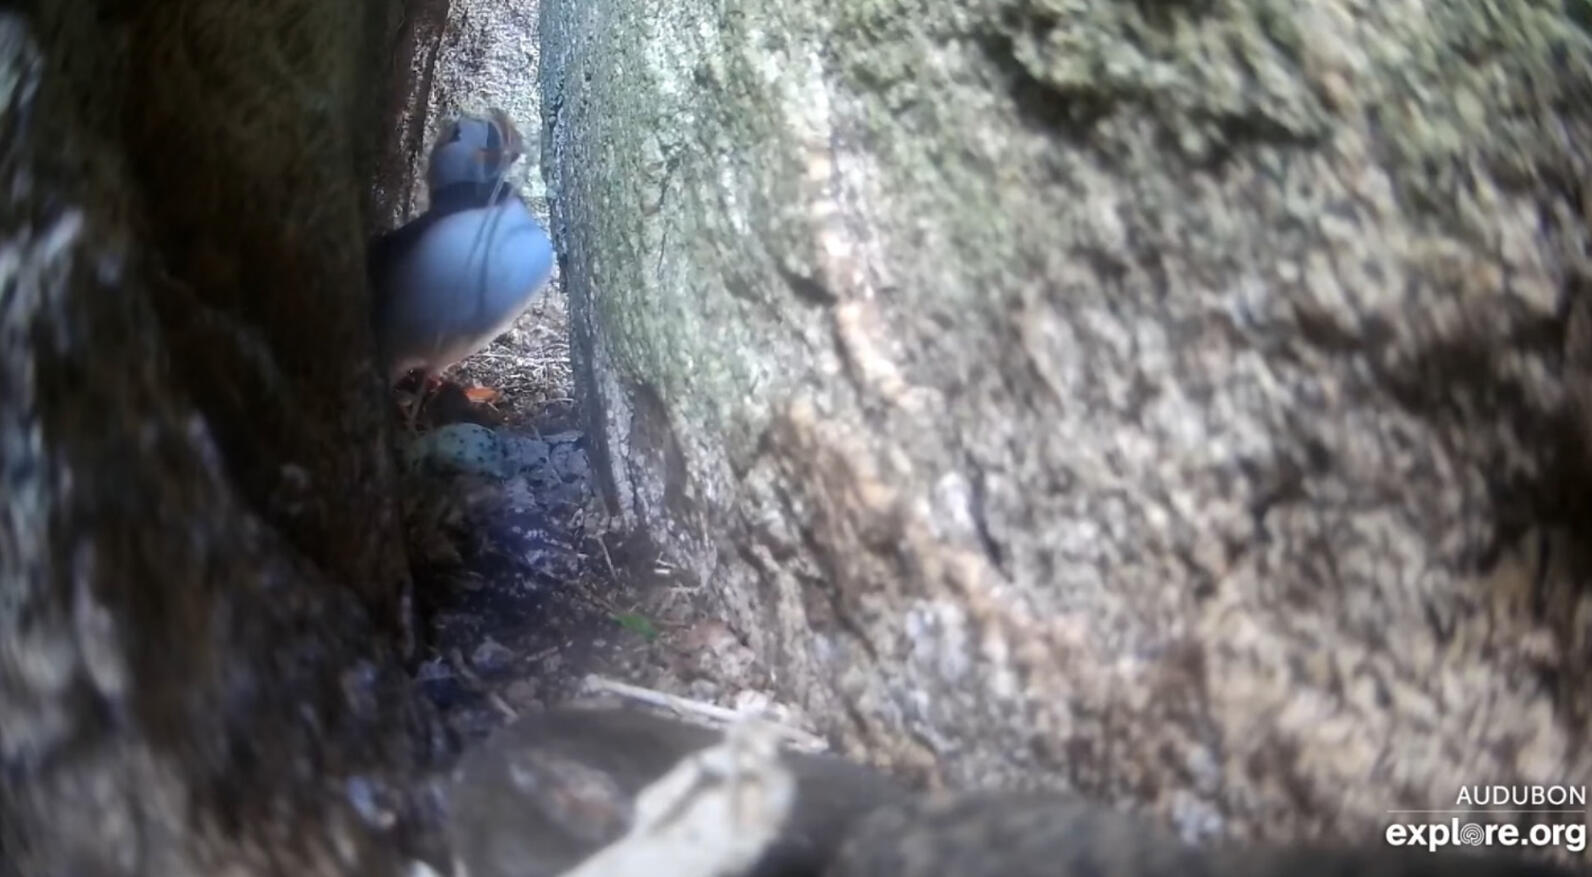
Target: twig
(685,706)
(614,573)
(476,684)
(712,815)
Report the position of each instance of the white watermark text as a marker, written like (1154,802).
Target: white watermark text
(1436,835)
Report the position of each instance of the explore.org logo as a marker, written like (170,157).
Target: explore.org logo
(1561,819)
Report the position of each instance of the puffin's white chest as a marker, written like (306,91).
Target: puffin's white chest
(468,277)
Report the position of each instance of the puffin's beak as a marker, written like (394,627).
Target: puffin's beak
(508,135)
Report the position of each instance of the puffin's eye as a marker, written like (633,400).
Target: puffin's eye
(458,131)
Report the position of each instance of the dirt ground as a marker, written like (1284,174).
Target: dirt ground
(525,592)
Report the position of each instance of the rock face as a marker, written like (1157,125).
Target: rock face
(1176,403)
(200,576)
(550,790)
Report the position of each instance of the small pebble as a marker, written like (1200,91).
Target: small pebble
(366,797)
(491,656)
(524,454)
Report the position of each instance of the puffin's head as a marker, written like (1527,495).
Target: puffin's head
(474,149)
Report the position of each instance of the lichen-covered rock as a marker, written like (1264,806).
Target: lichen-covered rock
(1164,401)
(200,578)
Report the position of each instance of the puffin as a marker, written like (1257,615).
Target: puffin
(458,275)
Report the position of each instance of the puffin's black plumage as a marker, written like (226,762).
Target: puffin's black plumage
(384,253)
